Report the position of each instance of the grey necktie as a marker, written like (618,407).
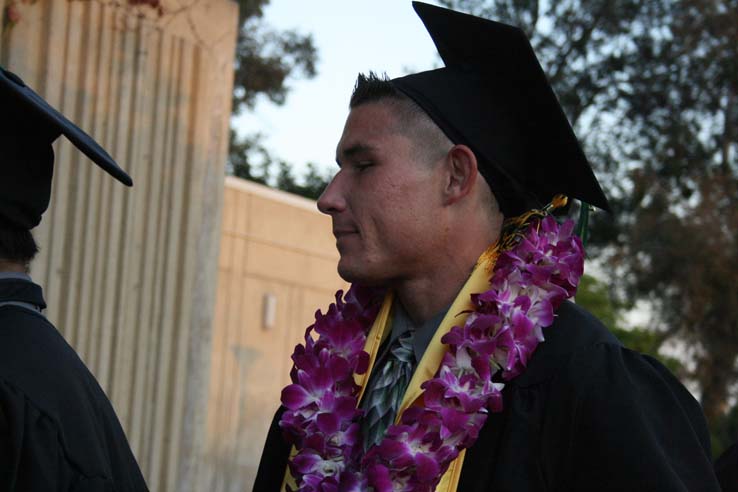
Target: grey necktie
(386,389)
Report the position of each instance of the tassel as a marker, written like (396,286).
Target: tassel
(513,228)
(582,229)
(557,202)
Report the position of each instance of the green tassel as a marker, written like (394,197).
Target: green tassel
(582,229)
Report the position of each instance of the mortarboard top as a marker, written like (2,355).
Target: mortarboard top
(493,96)
(28,127)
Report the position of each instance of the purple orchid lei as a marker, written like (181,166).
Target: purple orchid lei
(529,282)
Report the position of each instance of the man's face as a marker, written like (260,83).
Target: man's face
(385,201)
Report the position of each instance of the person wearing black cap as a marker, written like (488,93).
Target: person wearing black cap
(58,430)
(446,181)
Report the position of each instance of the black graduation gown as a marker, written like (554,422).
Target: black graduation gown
(58,431)
(587,414)
(726,469)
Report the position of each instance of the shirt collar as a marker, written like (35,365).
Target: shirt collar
(15,276)
(423,334)
(18,287)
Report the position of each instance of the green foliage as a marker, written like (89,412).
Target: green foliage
(265,61)
(593,295)
(248,159)
(724,431)
(265,58)
(652,91)
(313,185)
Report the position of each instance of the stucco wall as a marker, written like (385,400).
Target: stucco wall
(272,244)
(130,274)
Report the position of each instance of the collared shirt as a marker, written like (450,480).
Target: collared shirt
(15,276)
(31,302)
(422,335)
(388,382)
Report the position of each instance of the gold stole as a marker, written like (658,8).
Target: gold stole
(456,316)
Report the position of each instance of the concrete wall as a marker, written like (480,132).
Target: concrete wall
(130,274)
(277,246)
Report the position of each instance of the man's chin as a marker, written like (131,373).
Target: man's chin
(357,275)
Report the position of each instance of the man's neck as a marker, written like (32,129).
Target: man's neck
(12,266)
(424,297)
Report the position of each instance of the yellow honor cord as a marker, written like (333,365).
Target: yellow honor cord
(377,333)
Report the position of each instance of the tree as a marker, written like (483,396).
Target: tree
(248,159)
(723,431)
(650,88)
(595,296)
(265,61)
(314,181)
(265,58)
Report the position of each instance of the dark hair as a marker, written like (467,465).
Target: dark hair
(17,245)
(412,120)
(372,88)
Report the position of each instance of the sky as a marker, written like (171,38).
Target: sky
(351,37)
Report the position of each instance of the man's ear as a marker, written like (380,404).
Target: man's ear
(461,164)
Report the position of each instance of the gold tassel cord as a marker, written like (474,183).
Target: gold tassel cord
(512,228)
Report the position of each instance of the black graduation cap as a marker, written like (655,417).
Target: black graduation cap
(28,127)
(493,96)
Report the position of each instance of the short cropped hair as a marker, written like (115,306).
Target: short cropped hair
(17,245)
(416,122)
(372,88)
(413,121)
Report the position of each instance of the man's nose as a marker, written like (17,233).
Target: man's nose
(332,200)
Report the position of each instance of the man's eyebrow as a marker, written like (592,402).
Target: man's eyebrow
(352,151)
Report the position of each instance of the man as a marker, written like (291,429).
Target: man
(431,166)
(58,431)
